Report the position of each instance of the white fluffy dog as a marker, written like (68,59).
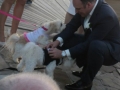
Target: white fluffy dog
(33,55)
(40,36)
(28,81)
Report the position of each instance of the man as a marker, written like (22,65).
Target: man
(99,46)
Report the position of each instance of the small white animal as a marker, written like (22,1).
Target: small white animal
(40,36)
(32,55)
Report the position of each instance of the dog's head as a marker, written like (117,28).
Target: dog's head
(55,26)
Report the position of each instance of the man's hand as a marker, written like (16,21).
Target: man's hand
(53,44)
(55,53)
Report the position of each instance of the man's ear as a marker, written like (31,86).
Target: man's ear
(88,5)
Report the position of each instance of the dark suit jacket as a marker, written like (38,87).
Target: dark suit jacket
(105,27)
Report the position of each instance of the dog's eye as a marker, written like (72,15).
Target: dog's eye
(61,24)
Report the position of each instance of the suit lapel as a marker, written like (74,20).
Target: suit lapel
(95,13)
(93,19)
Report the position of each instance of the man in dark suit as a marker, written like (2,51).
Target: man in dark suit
(100,45)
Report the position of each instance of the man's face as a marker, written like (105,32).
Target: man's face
(80,8)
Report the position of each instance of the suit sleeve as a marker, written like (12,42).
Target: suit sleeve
(71,27)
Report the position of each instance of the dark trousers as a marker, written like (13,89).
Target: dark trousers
(92,59)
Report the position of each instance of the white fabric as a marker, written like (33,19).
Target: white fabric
(60,40)
(68,54)
(85,22)
(32,36)
(71,8)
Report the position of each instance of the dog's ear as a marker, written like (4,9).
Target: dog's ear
(52,28)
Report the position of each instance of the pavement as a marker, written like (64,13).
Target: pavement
(108,78)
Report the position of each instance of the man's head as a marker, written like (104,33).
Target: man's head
(83,7)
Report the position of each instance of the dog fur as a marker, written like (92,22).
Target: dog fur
(33,55)
(28,81)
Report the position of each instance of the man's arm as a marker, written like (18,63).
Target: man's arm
(99,32)
(71,27)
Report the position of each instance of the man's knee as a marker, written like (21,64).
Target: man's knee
(97,45)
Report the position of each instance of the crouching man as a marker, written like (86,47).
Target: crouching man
(100,45)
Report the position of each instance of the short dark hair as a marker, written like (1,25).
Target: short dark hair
(85,1)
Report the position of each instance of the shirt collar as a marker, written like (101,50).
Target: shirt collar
(93,8)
